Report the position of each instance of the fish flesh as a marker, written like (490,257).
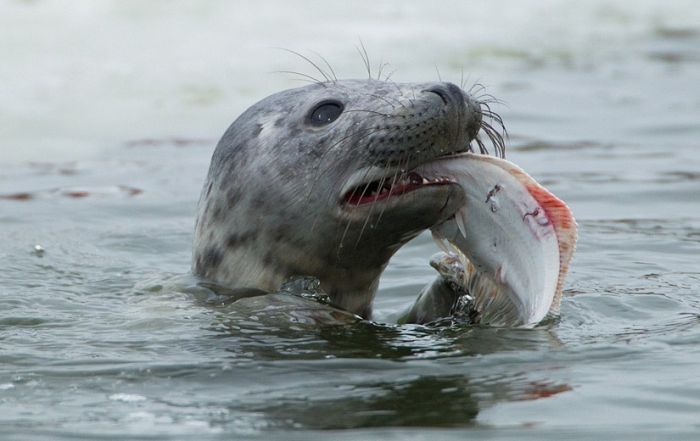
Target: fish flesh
(513,237)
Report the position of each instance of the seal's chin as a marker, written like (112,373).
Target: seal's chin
(389,187)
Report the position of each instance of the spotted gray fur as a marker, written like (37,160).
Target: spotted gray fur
(271,206)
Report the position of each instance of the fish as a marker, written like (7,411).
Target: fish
(513,238)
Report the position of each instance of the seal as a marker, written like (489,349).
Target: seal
(320,181)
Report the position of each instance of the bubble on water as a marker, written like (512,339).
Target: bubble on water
(39,250)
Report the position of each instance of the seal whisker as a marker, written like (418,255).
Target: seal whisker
(495,117)
(342,239)
(398,174)
(307,59)
(330,68)
(459,124)
(393,106)
(373,112)
(369,132)
(382,64)
(494,141)
(309,78)
(369,215)
(488,113)
(394,180)
(462,83)
(395,100)
(496,138)
(349,222)
(320,169)
(365,58)
(480,143)
(490,99)
(485,107)
(475,88)
(400,91)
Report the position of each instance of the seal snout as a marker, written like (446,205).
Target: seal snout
(449,93)
(436,120)
(458,116)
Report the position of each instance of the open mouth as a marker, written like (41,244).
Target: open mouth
(389,187)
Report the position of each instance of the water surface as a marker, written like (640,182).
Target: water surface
(111,111)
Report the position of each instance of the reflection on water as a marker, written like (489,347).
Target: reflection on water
(424,402)
(110,113)
(419,376)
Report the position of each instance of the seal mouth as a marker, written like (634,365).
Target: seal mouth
(390,186)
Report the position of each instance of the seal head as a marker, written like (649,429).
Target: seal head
(319,181)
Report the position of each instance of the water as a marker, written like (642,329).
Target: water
(110,112)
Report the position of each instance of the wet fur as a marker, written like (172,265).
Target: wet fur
(270,207)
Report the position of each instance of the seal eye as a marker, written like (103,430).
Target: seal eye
(325,113)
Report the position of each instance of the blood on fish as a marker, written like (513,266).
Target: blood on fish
(532,213)
(555,209)
(519,299)
(496,188)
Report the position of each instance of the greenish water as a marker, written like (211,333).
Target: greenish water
(111,111)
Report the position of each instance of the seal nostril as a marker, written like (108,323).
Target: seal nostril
(450,94)
(441,92)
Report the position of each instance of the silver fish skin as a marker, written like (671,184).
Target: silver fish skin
(514,238)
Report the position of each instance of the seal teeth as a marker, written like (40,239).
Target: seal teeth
(461,221)
(415,179)
(386,187)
